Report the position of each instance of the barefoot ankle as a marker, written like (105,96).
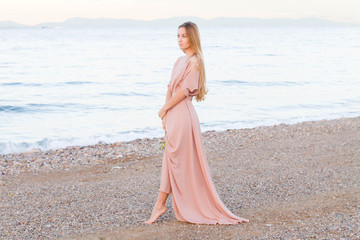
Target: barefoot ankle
(157,212)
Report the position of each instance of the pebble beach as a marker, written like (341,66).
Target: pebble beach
(299,181)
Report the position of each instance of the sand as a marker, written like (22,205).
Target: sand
(298,181)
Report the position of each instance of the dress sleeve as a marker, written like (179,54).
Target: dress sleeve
(190,82)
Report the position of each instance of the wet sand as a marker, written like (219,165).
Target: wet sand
(298,181)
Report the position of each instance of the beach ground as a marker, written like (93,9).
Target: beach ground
(299,181)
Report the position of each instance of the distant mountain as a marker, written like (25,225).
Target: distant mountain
(11,24)
(108,22)
(279,22)
(95,23)
(175,21)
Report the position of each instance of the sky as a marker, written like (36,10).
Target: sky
(32,12)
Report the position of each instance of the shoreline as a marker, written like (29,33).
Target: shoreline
(297,181)
(62,159)
(36,147)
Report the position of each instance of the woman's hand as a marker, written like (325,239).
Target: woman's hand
(163,123)
(162,113)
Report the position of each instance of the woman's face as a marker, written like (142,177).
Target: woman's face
(183,40)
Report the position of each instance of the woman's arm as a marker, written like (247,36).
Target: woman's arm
(168,95)
(180,95)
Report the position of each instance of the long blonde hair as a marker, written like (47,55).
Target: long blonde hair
(193,34)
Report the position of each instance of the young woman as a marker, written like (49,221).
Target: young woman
(185,172)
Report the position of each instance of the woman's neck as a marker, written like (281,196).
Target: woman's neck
(189,52)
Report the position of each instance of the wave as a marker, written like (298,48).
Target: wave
(21,84)
(128,94)
(77,82)
(260,84)
(63,108)
(46,84)
(39,107)
(48,144)
(8,108)
(30,108)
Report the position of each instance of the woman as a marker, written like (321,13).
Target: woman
(185,173)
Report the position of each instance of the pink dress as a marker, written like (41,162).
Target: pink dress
(185,172)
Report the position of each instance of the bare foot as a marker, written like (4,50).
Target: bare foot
(156,213)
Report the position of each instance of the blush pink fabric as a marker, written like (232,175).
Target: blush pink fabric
(185,172)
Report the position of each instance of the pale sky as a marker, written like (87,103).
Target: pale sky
(32,12)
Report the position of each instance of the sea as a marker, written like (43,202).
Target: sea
(64,87)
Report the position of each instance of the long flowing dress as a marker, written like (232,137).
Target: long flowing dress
(185,172)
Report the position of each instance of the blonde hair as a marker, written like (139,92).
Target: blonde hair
(193,34)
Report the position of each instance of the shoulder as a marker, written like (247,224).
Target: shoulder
(194,61)
(178,60)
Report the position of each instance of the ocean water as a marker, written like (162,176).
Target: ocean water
(63,87)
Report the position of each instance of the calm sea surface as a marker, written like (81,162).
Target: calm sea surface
(63,87)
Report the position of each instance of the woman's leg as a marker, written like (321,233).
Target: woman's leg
(159,207)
